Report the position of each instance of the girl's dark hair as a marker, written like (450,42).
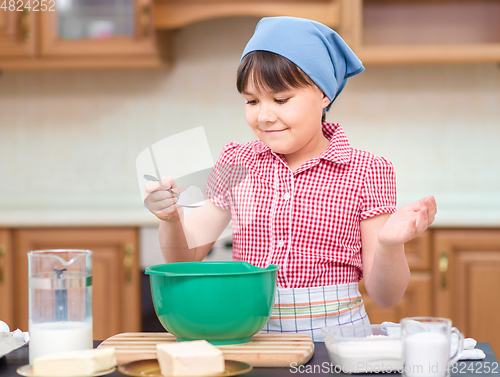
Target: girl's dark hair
(271,71)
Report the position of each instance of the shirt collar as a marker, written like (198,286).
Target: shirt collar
(338,151)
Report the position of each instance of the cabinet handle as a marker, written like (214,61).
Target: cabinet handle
(25,25)
(443,268)
(145,20)
(2,253)
(128,262)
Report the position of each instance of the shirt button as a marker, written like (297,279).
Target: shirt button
(281,243)
(286,196)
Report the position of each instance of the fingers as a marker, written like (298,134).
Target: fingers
(432,210)
(426,215)
(168,182)
(429,204)
(422,220)
(163,205)
(432,206)
(152,186)
(163,208)
(160,201)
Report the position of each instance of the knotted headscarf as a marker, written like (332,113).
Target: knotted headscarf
(315,48)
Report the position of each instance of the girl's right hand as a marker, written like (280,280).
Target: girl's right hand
(161,202)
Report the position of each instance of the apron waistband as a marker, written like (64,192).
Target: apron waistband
(307,310)
(316,301)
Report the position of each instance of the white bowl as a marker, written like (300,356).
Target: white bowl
(362,349)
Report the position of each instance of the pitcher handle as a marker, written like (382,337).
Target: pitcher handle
(460,346)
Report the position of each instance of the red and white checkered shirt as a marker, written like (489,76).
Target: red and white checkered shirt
(307,221)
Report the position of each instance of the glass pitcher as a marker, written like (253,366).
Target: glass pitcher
(60,301)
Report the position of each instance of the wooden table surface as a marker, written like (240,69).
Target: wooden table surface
(319,365)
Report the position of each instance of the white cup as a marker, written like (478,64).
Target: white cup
(426,346)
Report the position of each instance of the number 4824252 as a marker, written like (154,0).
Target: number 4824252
(30,5)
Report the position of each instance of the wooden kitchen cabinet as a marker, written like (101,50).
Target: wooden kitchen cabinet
(79,34)
(16,40)
(116,303)
(417,300)
(426,31)
(379,31)
(467,282)
(6,278)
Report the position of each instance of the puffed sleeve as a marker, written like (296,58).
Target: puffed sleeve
(379,191)
(219,182)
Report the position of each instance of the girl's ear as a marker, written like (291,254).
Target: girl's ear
(325,101)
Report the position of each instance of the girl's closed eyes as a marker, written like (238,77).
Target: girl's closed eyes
(277,100)
(281,101)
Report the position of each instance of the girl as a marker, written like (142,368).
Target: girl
(309,202)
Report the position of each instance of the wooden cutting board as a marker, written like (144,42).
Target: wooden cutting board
(265,350)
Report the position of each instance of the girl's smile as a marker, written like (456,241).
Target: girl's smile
(274,132)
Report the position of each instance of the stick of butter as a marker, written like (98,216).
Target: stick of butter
(75,363)
(189,358)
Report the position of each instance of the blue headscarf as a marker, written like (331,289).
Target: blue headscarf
(315,48)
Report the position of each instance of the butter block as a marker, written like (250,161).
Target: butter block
(189,358)
(75,363)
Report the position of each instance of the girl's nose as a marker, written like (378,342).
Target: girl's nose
(266,115)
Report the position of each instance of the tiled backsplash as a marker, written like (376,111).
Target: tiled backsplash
(70,139)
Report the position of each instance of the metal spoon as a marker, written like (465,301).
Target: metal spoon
(154,179)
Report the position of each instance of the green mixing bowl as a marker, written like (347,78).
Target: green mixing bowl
(221,302)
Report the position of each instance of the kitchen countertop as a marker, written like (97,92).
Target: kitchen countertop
(466,217)
(319,365)
(454,210)
(78,217)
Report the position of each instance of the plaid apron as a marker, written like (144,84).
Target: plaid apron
(307,310)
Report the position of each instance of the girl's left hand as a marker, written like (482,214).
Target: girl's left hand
(408,222)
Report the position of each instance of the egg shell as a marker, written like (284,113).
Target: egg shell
(4,327)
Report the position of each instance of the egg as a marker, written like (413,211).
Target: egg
(4,327)
(18,334)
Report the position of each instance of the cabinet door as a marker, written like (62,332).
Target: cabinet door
(116,302)
(16,27)
(6,279)
(97,28)
(417,300)
(467,282)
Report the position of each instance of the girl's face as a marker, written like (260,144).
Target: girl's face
(289,122)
